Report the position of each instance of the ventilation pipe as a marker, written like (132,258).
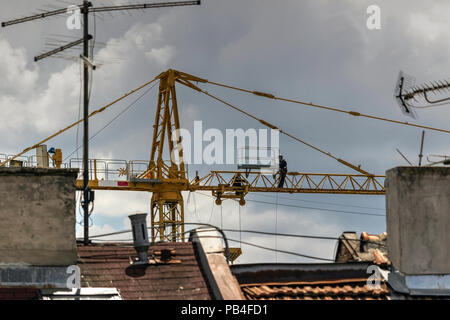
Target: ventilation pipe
(140,237)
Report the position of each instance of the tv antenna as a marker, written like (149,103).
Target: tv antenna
(84,10)
(445,161)
(410,96)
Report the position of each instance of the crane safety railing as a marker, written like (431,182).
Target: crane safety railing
(110,169)
(99,169)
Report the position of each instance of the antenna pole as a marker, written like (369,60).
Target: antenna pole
(86,122)
(406,159)
(421,149)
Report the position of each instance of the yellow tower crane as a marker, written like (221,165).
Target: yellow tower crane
(167,179)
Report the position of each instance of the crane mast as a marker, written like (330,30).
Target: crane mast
(167,207)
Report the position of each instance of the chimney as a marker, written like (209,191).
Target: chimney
(140,237)
(37,214)
(37,228)
(418,220)
(42,156)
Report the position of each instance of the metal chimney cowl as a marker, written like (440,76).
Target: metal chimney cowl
(140,236)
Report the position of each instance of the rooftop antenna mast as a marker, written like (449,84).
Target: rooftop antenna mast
(87,8)
(421,148)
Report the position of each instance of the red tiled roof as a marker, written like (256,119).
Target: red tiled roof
(345,289)
(19,294)
(108,265)
(322,281)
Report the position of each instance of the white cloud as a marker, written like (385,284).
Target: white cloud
(121,203)
(142,42)
(26,105)
(17,78)
(96,230)
(20,118)
(161,55)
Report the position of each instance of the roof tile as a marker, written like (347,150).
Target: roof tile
(108,265)
(349,289)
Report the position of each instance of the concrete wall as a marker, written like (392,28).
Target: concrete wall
(37,216)
(418,219)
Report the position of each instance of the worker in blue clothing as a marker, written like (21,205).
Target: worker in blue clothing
(283,171)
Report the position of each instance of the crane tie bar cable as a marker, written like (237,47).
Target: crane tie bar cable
(79,121)
(353,113)
(356,168)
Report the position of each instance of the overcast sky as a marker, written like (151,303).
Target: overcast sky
(315,50)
